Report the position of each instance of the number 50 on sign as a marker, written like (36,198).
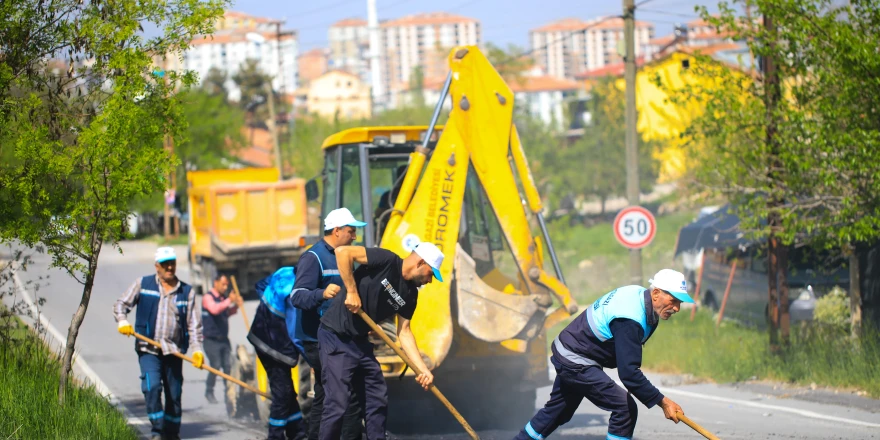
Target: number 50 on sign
(634,227)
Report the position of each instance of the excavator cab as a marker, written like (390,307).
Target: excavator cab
(466,187)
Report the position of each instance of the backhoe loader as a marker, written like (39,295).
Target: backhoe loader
(466,187)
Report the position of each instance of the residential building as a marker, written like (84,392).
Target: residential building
(350,47)
(339,94)
(540,95)
(570,46)
(240,37)
(311,65)
(421,40)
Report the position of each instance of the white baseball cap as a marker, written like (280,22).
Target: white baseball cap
(432,255)
(164,254)
(338,218)
(672,281)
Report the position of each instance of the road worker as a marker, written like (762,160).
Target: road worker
(271,336)
(383,285)
(217,307)
(168,314)
(318,281)
(610,334)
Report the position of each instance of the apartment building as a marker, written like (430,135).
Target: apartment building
(240,37)
(350,47)
(311,65)
(421,40)
(570,46)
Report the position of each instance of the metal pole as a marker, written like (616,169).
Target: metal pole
(437,109)
(550,249)
(632,149)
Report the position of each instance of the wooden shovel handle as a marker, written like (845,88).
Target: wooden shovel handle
(696,427)
(415,369)
(206,367)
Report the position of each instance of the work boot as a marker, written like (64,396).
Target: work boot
(211,398)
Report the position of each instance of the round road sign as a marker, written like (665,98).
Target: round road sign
(634,227)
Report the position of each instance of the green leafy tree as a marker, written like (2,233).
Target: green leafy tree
(214,82)
(417,86)
(511,64)
(796,146)
(252,82)
(83,111)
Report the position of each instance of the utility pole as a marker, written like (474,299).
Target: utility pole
(632,149)
(270,99)
(375,76)
(777,292)
(281,82)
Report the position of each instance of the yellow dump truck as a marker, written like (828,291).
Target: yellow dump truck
(244,222)
(466,187)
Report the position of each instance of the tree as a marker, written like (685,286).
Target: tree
(251,80)
(83,111)
(215,82)
(417,86)
(212,135)
(511,64)
(795,146)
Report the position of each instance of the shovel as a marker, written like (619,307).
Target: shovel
(409,363)
(696,427)
(206,367)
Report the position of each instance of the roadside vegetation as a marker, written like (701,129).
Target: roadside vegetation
(29,394)
(818,353)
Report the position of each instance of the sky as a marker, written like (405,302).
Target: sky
(503,22)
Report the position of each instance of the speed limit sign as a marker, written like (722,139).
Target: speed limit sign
(634,227)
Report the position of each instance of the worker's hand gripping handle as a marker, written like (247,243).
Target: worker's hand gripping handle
(415,369)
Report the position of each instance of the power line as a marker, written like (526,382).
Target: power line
(671,14)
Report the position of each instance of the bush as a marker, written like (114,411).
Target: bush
(832,310)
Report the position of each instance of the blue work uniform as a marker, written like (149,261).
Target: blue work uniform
(609,334)
(315,271)
(277,352)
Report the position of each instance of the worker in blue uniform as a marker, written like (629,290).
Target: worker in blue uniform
(272,336)
(610,334)
(318,282)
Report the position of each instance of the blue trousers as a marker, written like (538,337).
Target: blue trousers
(160,373)
(569,388)
(350,364)
(285,417)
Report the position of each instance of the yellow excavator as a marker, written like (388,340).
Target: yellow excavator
(466,187)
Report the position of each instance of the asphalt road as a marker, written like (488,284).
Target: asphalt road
(730,412)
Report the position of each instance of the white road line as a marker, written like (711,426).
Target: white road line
(84,367)
(800,412)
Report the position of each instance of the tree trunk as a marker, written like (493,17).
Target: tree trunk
(76,322)
(772,291)
(855,294)
(602,200)
(782,293)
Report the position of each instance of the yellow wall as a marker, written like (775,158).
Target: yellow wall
(341,92)
(663,121)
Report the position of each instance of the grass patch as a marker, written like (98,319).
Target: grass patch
(181,240)
(29,396)
(732,352)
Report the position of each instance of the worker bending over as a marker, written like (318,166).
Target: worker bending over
(383,285)
(610,334)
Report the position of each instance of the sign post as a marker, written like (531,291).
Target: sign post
(635,227)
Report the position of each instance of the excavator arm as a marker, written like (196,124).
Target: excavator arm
(478,142)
